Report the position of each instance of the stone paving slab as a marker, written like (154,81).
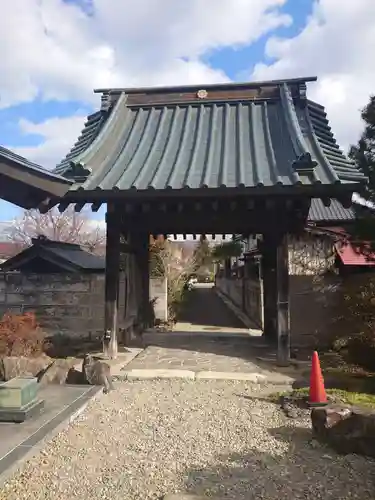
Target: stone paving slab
(180,352)
(256,378)
(224,353)
(158,374)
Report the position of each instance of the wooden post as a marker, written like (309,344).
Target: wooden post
(261,294)
(112,272)
(269,251)
(283,321)
(144,267)
(276,294)
(140,247)
(244,289)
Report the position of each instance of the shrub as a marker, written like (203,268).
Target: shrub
(20,335)
(358,322)
(361,350)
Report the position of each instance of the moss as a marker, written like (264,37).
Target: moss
(337,395)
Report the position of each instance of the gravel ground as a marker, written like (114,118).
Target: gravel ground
(147,439)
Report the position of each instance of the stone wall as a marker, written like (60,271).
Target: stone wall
(246,294)
(315,305)
(69,304)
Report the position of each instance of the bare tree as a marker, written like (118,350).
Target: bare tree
(173,262)
(67,227)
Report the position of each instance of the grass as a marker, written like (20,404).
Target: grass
(337,395)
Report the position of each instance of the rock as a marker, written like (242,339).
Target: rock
(20,366)
(293,406)
(57,372)
(347,429)
(97,372)
(75,377)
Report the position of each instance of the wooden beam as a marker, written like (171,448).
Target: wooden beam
(47,205)
(79,206)
(112,272)
(63,205)
(96,206)
(346,201)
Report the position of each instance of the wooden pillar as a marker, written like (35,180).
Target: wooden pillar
(269,250)
(283,321)
(276,294)
(112,272)
(140,247)
(246,276)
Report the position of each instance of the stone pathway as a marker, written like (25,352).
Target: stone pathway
(211,342)
(178,351)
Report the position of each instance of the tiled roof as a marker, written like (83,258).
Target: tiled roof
(276,139)
(91,129)
(352,255)
(334,213)
(27,184)
(67,255)
(76,256)
(8,248)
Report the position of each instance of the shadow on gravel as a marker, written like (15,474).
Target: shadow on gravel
(296,470)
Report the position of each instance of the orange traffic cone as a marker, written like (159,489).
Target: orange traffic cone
(318,396)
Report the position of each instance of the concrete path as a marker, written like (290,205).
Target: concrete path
(204,311)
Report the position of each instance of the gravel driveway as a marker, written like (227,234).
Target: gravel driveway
(147,439)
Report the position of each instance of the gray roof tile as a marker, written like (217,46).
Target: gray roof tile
(334,213)
(227,143)
(72,255)
(27,184)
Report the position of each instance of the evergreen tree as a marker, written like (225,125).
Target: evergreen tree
(364,153)
(364,156)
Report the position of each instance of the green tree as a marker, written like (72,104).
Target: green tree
(226,250)
(364,152)
(364,156)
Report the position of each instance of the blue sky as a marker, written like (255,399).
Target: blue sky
(38,118)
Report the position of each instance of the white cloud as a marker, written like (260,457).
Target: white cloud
(57,137)
(58,50)
(53,49)
(337,45)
